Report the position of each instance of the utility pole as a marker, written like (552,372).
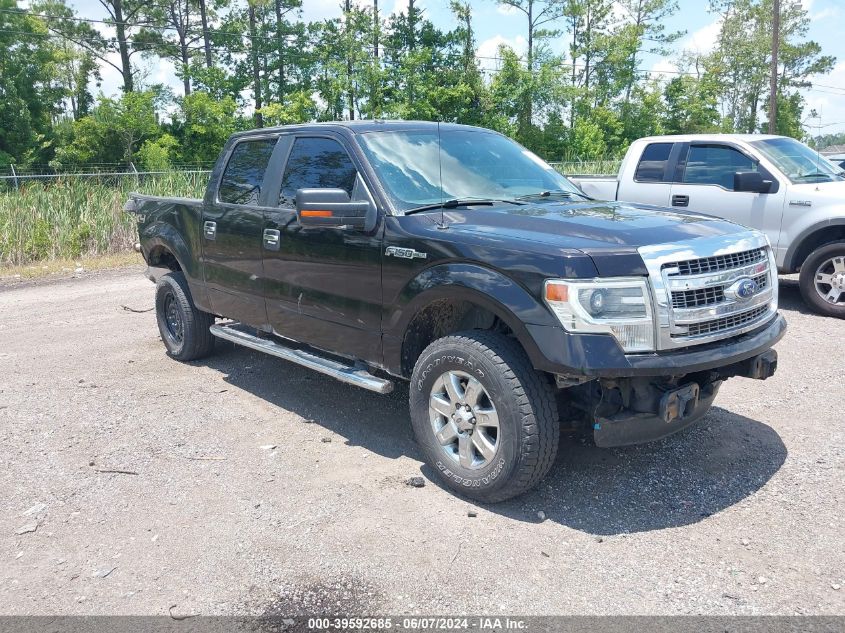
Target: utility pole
(351,94)
(773,79)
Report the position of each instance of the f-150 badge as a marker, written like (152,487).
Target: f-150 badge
(406,253)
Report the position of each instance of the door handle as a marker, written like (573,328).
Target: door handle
(209,229)
(272,239)
(680,201)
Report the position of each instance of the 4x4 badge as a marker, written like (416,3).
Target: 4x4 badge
(406,253)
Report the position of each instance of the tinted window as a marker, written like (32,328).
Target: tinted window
(244,175)
(715,165)
(653,162)
(316,163)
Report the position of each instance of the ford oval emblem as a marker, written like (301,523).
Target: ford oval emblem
(742,289)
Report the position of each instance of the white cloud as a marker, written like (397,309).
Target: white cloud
(829,12)
(703,40)
(489,48)
(318,10)
(663,69)
(165,73)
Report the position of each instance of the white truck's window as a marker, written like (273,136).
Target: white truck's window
(797,161)
(244,174)
(715,165)
(316,163)
(653,162)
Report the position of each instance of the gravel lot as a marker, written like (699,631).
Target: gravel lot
(260,487)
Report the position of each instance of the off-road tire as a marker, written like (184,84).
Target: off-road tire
(807,281)
(524,401)
(196,340)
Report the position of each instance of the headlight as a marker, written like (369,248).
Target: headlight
(617,306)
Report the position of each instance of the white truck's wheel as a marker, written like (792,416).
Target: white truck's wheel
(822,280)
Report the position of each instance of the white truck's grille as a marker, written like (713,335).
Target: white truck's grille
(698,298)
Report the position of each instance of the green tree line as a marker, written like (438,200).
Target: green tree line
(254,63)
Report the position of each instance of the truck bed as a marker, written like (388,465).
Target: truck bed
(598,187)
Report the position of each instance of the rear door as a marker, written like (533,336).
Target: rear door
(233,219)
(323,284)
(651,181)
(705,184)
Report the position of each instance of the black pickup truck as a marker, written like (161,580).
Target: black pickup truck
(454,258)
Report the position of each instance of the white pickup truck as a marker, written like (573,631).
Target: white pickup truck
(771,183)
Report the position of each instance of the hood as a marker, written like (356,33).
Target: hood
(609,232)
(822,193)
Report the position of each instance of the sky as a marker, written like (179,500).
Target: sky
(495,25)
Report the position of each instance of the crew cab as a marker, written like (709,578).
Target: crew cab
(453,258)
(771,183)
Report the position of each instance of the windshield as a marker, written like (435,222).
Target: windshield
(798,162)
(474,164)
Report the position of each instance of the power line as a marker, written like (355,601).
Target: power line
(147,46)
(314,55)
(563,69)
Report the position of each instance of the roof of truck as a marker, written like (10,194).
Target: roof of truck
(363,126)
(684,138)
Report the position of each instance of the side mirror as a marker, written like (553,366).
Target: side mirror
(332,208)
(751,181)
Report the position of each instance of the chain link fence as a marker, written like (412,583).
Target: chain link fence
(108,174)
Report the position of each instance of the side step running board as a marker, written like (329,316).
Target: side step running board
(240,335)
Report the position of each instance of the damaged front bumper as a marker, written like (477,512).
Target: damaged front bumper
(638,410)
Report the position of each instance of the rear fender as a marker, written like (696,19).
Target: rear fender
(161,235)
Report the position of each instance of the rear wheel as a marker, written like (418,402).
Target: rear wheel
(822,280)
(183,328)
(486,420)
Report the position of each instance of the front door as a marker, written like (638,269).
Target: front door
(233,220)
(323,285)
(706,185)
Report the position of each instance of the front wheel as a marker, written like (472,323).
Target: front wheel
(183,328)
(822,280)
(485,419)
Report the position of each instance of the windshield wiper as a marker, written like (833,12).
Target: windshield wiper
(557,193)
(815,174)
(460,202)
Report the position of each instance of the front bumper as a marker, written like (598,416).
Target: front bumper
(671,410)
(630,427)
(599,356)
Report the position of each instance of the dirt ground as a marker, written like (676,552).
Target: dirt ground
(133,484)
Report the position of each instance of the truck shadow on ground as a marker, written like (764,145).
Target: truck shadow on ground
(680,480)
(789,297)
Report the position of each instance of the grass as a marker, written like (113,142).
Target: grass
(73,217)
(59,222)
(62,267)
(602,167)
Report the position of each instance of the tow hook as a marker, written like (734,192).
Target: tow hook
(763,366)
(679,403)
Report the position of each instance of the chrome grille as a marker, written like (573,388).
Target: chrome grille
(726,323)
(710,295)
(717,262)
(690,287)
